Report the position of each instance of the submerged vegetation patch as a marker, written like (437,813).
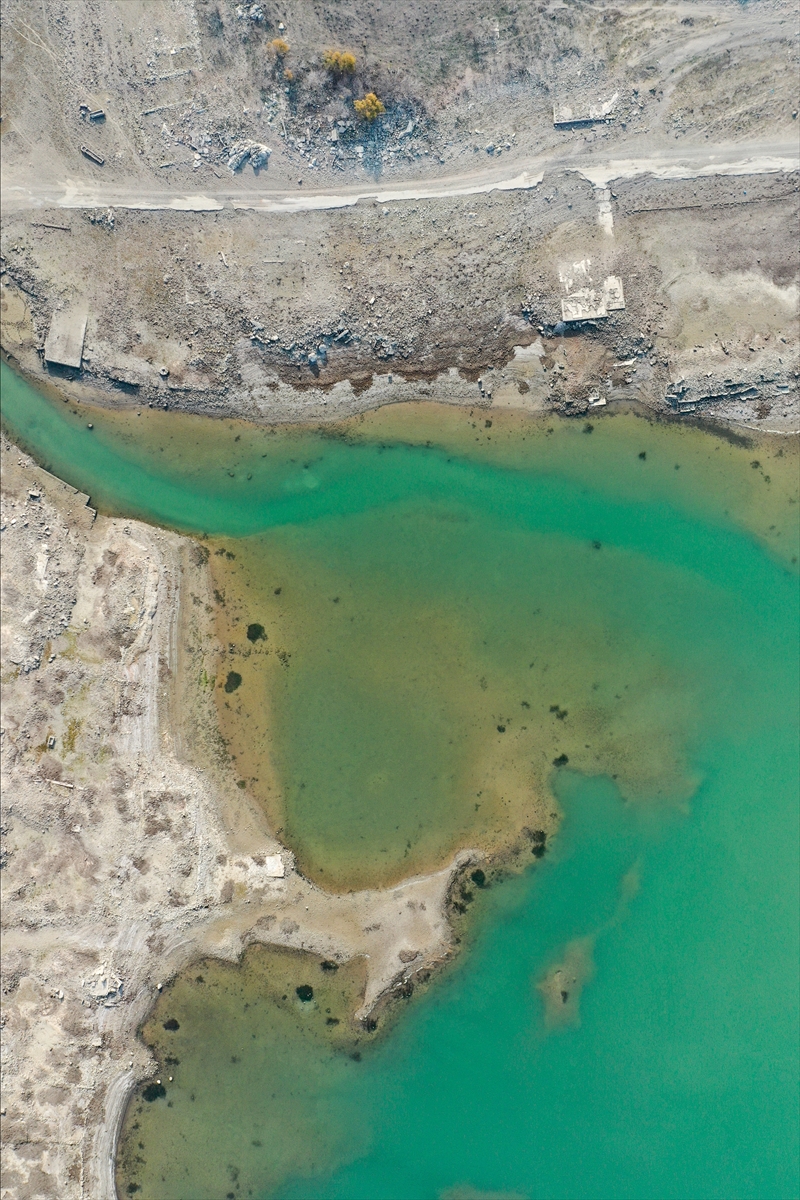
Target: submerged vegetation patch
(261,1025)
(233,681)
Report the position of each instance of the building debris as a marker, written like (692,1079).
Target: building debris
(103,217)
(585,301)
(64,344)
(254,152)
(567,117)
(104,986)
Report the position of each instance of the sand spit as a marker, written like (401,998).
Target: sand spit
(121,862)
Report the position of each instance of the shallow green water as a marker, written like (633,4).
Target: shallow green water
(451,602)
(680,1078)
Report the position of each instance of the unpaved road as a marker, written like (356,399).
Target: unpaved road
(749,158)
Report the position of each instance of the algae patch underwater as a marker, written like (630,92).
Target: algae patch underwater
(251,1017)
(423,669)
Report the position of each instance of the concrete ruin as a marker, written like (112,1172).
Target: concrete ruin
(64,344)
(707,390)
(586,301)
(567,117)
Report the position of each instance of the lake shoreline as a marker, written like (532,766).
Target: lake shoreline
(148,863)
(249,891)
(518,386)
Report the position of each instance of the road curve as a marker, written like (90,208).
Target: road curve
(685,162)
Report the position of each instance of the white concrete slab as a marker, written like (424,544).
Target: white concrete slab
(64,344)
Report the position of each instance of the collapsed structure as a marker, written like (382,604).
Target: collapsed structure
(567,117)
(584,300)
(64,344)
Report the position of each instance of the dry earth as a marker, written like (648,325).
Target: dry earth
(222,289)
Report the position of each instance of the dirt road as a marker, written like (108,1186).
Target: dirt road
(627,162)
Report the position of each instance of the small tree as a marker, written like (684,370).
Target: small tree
(280,48)
(339,62)
(370,107)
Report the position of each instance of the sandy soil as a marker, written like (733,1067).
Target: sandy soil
(122,862)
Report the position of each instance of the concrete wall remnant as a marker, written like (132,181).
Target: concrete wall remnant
(586,301)
(64,344)
(565,115)
(614,295)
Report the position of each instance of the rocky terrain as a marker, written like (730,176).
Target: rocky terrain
(360,259)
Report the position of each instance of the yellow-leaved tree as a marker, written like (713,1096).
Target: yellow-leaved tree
(339,62)
(370,107)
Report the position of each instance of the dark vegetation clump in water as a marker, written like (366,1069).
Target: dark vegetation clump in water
(305,992)
(172,1025)
(256,633)
(154,1091)
(233,681)
(461,894)
(539,846)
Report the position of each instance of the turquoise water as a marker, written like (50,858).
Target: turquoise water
(679,1077)
(680,1080)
